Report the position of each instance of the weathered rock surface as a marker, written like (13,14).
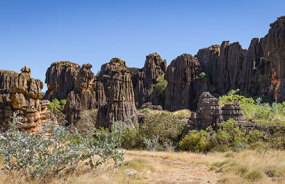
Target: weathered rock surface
(21,94)
(60,79)
(151,106)
(120,106)
(274,52)
(208,112)
(183,87)
(88,93)
(233,111)
(144,79)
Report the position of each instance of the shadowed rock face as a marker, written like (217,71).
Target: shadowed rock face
(274,52)
(88,93)
(60,79)
(120,106)
(21,94)
(230,67)
(144,79)
(181,89)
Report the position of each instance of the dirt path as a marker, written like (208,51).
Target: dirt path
(168,171)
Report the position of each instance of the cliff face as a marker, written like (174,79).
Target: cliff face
(181,89)
(144,79)
(21,94)
(274,52)
(118,90)
(118,87)
(230,67)
(88,93)
(60,79)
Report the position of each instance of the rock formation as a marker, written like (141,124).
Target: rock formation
(120,106)
(21,94)
(208,112)
(60,79)
(88,93)
(274,51)
(233,111)
(183,85)
(144,79)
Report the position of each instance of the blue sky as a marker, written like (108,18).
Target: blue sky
(38,32)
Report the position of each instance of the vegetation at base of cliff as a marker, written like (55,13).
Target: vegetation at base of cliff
(57,105)
(159,131)
(231,137)
(41,158)
(256,110)
(159,88)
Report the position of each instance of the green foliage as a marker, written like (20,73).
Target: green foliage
(247,104)
(201,76)
(255,109)
(159,88)
(39,157)
(196,141)
(232,137)
(57,105)
(87,120)
(164,126)
(157,132)
(146,111)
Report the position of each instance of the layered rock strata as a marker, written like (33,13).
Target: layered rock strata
(19,93)
(118,87)
(208,112)
(233,111)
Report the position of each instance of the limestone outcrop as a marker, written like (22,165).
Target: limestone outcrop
(233,111)
(144,79)
(274,52)
(60,79)
(21,94)
(88,93)
(183,87)
(208,112)
(118,87)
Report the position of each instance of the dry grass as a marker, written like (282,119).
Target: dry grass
(247,166)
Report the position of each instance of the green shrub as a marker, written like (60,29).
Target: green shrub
(38,157)
(159,88)
(57,105)
(247,104)
(201,76)
(87,120)
(196,141)
(146,111)
(164,126)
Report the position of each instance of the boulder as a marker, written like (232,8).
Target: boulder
(233,111)
(208,112)
(118,87)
